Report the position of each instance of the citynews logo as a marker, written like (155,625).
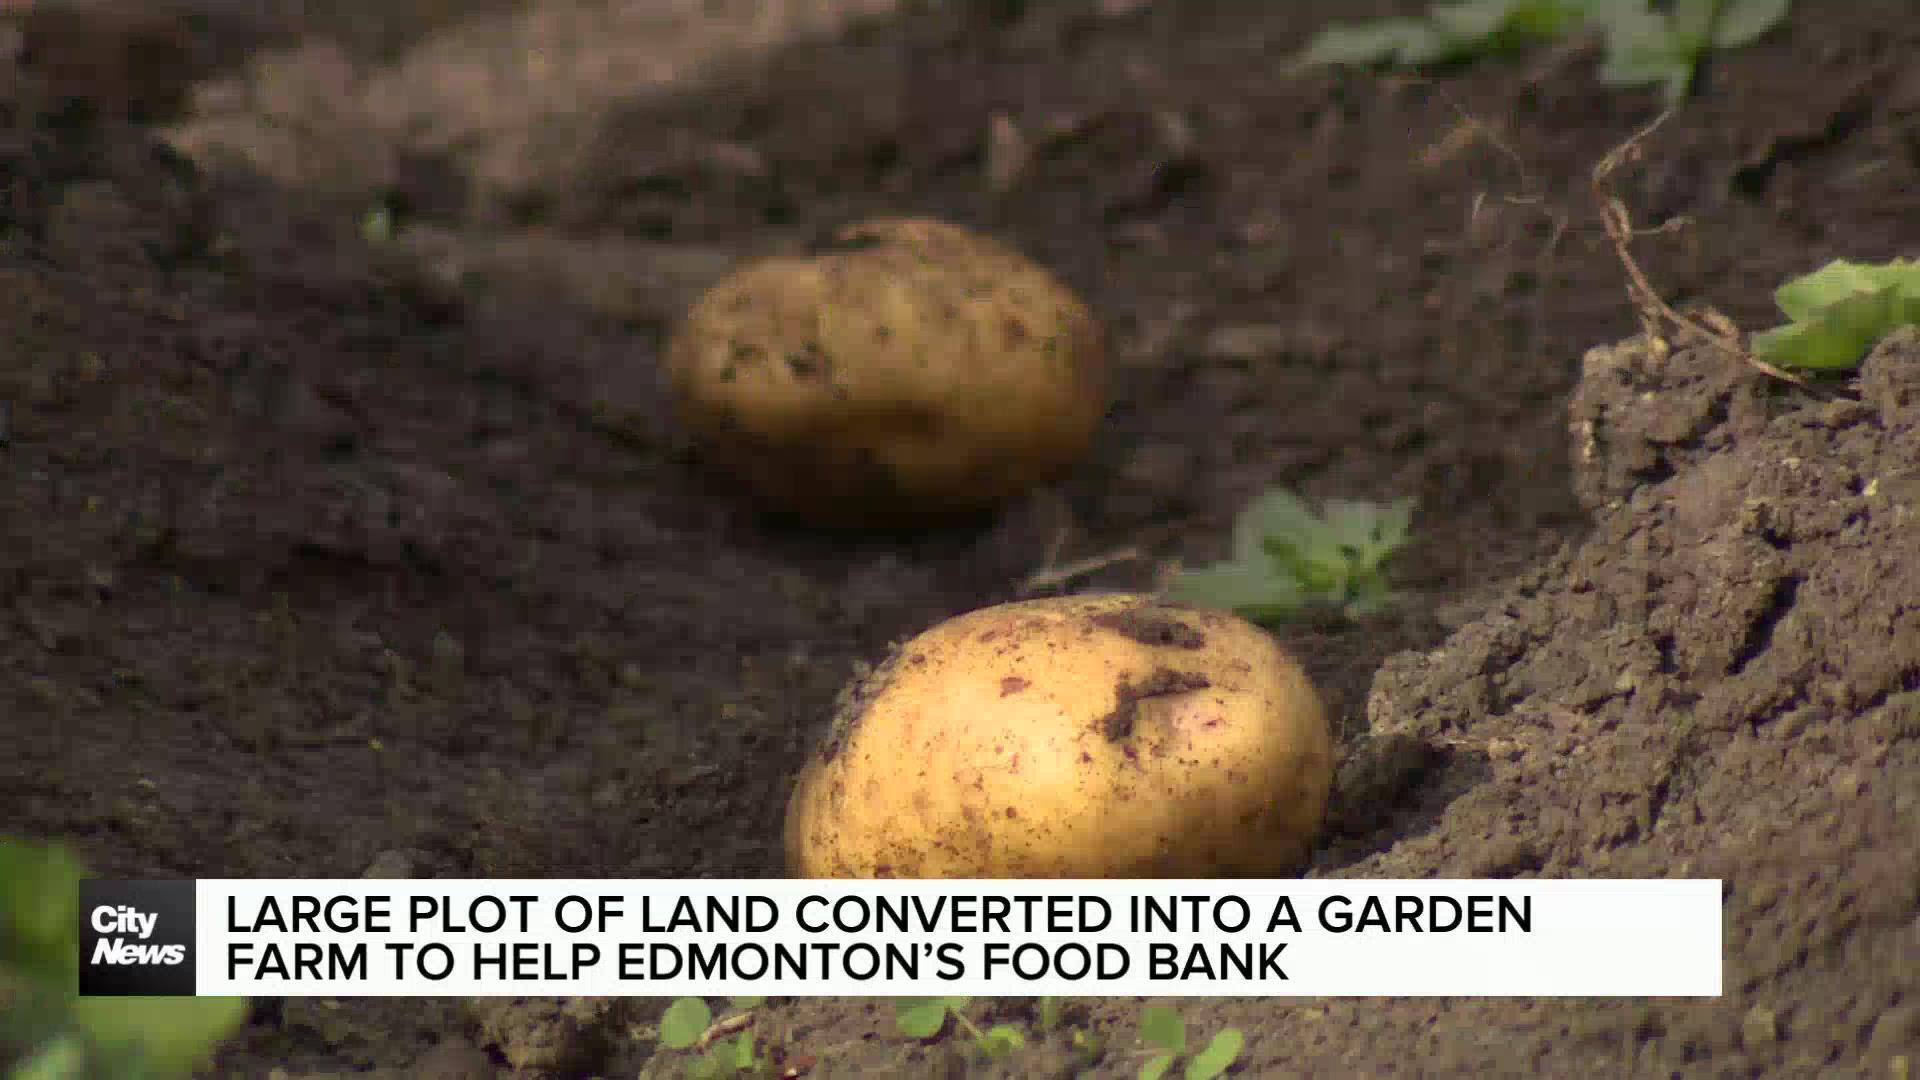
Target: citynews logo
(119,950)
(136,938)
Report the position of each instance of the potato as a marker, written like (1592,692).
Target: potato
(1108,736)
(913,370)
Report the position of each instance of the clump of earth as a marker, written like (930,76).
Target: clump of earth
(1721,680)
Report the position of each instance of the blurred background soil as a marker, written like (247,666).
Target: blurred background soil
(344,529)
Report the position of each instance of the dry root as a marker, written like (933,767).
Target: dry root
(1658,318)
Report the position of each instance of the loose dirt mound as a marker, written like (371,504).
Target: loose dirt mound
(1719,681)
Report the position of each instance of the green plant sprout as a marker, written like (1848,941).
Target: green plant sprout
(1449,33)
(1287,559)
(1839,312)
(1648,47)
(1163,1029)
(686,1023)
(1645,44)
(924,1018)
(1085,1048)
(60,1035)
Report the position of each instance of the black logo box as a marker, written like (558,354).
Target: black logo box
(115,960)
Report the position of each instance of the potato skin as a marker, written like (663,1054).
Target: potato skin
(1108,736)
(915,371)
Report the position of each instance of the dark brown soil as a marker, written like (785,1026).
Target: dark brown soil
(344,530)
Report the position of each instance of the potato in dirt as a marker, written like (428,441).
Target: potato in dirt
(913,370)
(1098,736)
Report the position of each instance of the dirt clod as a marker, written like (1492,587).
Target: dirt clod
(1164,682)
(1152,628)
(1694,684)
(565,1036)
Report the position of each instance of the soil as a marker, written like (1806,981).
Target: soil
(345,529)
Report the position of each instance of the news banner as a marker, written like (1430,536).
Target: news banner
(381,938)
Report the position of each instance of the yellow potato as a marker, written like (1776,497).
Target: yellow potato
(914,370)
(1104,736)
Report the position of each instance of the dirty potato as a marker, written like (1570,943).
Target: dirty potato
(1111,736)
(912,370)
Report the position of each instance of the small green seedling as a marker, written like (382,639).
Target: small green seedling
(1646,44)
(1649,47)
(685,1024)
(925,1018)
(59,1035)
(1839,312)
(1287,559)
(376,225)
(1084,1048)
(1162,1028)
(1450,33)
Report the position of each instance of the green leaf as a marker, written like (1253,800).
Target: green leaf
(1673,77)
(1743,22)
(173,1036)
(376,227)
(1839,312)
(1385,41)
(1365,534)
(1256,591)
(1163,1027)
(1218,1057)
(1543,19)
(1051,1010)
(39,926)
(1286,558)
(39,912)
(1274,512)
(1646,45)
(684,1022)
(743,1055)
(61,1059)
(33,1016)
(1690,26)
(1451,32)
(1156,1067)
(1493,26)
(1474,20)
(921,1018)
(1839,339)
(712,1065)
(1001,1039)
(1643,49)
(746,1004)
(1807,296)
(1677,82)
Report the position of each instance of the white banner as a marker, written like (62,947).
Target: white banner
(371,938)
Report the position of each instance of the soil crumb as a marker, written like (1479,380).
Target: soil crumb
(1164,682)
